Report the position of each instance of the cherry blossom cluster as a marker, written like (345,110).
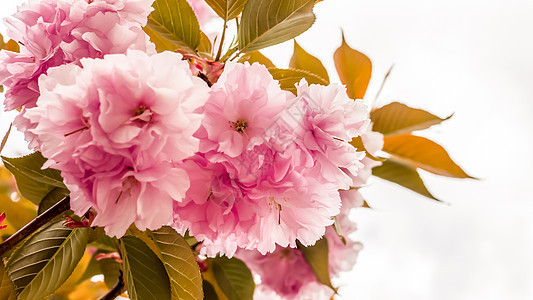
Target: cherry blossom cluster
(244,166)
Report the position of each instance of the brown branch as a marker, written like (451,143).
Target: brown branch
(35,224)
(116,291)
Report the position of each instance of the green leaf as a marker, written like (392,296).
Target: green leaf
(45,261)
(146,277)
(180,263)
(205,46)
(304,61)
(257,57)
(397,118)
(175,21)
(209,291)
(160,42)
(269,22)
(403,175)
(233,277)
(7,290)
(33,183)
(54,196)
(289,77)
(354,69)
(227,9)
(317,258)
(30,165)
(422,153)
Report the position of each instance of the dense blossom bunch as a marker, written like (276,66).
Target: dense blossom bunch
(270,164)
(56,32)
(118,128)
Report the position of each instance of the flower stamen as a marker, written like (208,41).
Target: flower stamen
(240,125)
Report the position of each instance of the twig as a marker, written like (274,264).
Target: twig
(222,40)
(35,224)
(116,291)
(383,83)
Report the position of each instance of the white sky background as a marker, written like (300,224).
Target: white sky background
(470,58)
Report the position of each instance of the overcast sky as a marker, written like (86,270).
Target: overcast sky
(470,58)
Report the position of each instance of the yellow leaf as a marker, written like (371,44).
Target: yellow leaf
(205,46)
(354,69)
(420,152)
(304,61)
(258,57)
(88,290)
(161,43)
(289,77)
(12,46)
(397,118)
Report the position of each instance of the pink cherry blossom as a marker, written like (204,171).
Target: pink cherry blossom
(373,142)
(56,32)
(330,120)
(118,130)
(285,273)
(270,164)
(203,12)
(243,103)
(226,208)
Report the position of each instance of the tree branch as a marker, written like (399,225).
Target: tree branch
(35,224)
(116,291)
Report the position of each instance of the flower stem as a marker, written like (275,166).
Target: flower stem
(221,41)
(35,224)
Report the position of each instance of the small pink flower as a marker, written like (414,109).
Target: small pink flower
(2,218)
(112,255)
(330,120)
(242,105)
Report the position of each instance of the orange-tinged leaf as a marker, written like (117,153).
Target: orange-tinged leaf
(304,61)
(424,154)
(397,118)
(354,69)
(12,46)
(404,175)
(257,57)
